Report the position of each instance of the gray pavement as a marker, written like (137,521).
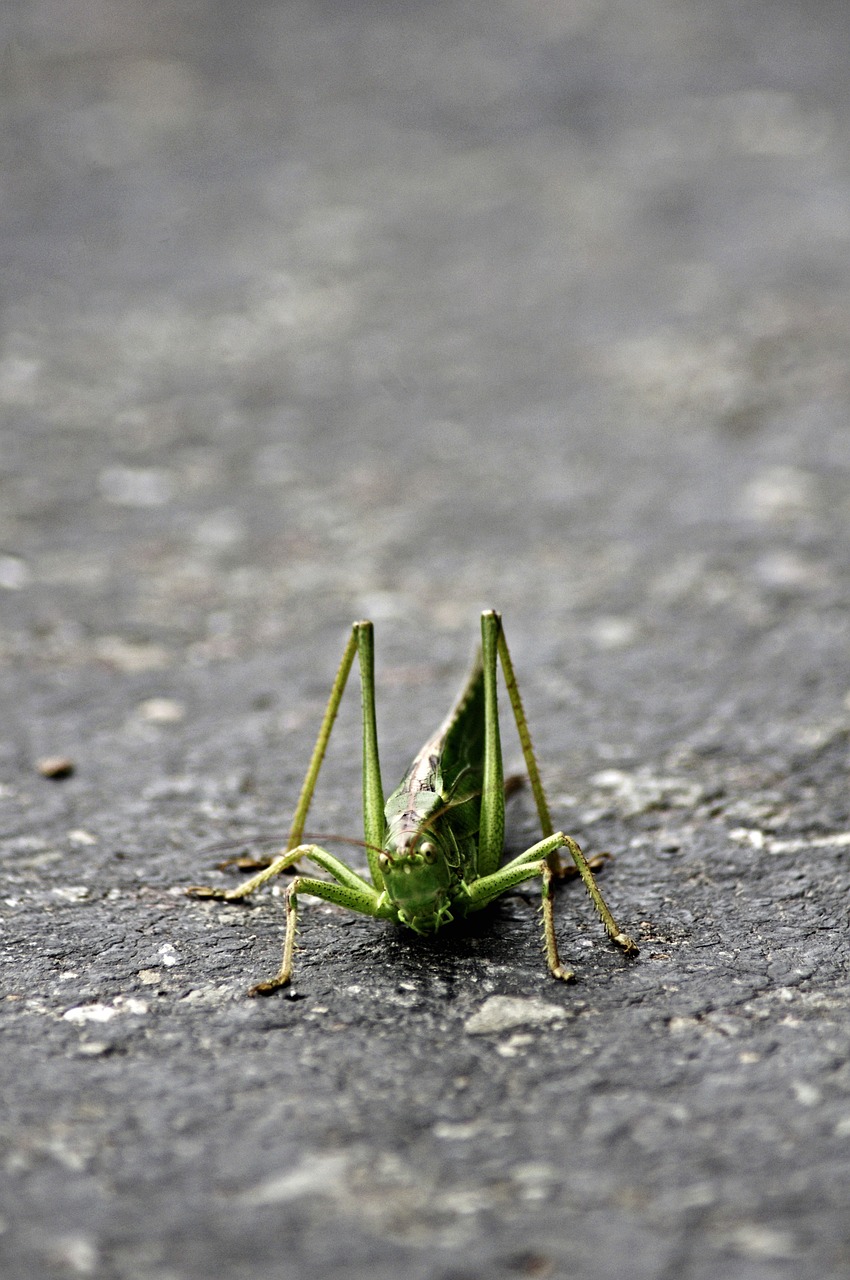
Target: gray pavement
(321,311)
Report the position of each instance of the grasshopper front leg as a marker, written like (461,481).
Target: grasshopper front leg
(537,861)
(349,890)
(533,863)
(365,901)
(615,933)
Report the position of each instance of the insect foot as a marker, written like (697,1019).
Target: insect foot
(267,988)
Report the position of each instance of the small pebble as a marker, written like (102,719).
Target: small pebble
(503,1013)
(55,767)
(162,710)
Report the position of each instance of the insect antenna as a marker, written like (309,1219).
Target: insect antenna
(247,862)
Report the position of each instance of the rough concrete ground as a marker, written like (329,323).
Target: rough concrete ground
(319,311)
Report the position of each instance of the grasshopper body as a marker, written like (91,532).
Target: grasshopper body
(435,847)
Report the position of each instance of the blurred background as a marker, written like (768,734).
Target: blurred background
(322,310)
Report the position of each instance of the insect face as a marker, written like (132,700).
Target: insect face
(417,880)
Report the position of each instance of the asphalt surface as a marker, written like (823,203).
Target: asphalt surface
(314,312)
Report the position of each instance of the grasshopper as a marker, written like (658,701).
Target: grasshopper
(435,847)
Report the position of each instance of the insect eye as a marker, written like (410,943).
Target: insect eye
(384,860)
(428,851)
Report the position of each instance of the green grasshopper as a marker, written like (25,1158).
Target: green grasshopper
(435,847)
